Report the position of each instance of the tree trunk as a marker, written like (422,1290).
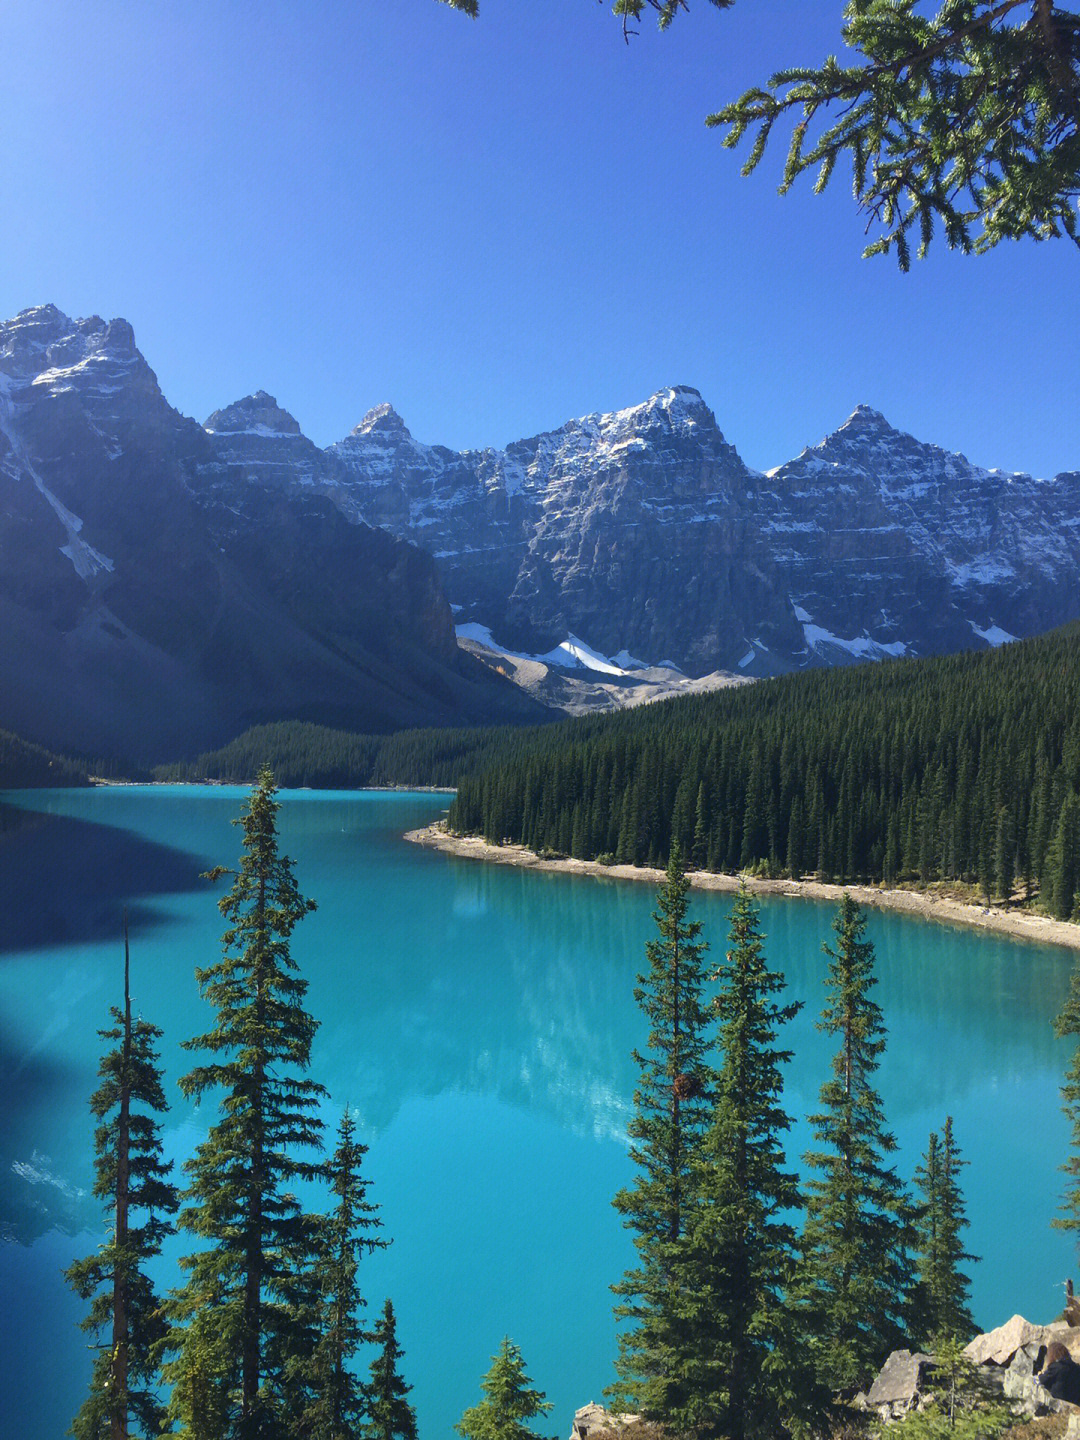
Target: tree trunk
(118,1400)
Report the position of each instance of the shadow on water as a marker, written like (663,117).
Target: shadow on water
(64,881)
(74,877)
(34,1199)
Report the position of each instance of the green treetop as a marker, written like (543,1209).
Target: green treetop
(968,117)
(390,1416)
(672,1106)
(942,1290)
(743,1372)
(254,1270)
(854,1281)
(509,1400)
(132,1178)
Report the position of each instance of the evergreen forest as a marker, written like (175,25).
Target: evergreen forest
(27,766)
(960,768)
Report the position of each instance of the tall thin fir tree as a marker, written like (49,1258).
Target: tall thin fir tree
(854,1283)
(672,1107)
(390,1416)
(255,1269)
(743,1374)
(942,1290)
(338,1398)
(132,1177)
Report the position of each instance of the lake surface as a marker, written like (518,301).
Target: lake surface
(479,1021)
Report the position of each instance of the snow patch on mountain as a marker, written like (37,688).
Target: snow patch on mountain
(986,571)
(87,561)
(861,647)
(626,661)
(571,654)
(994,635)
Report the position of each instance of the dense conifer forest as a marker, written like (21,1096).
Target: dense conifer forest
(26,766)
(300,753)
(961,767)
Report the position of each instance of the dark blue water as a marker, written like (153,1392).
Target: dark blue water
(479,1021)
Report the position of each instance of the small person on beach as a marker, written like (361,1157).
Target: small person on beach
(1060,1373)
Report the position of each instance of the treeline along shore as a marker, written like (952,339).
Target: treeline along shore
(960,768)
(1021,923)
(957,774)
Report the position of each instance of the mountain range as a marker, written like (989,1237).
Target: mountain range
(165,583)
(644,533)
(154,599)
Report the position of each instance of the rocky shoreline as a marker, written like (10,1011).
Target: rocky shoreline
(1021,925)
(1003,1366)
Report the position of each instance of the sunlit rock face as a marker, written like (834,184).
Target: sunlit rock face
(162,584)
(643,530)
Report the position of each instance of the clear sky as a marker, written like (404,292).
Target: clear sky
(495,225)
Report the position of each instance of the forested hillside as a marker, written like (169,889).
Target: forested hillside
(23,765)
(304,754)
(963,767)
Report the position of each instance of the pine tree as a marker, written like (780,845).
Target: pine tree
(391,1417)
(337,1406)
(853,1284)
(509,1400)
(942,1291)
(742,1373)
(671,1115)
(132,1177)
(255,1269)
(1063,860)
(1066,1024)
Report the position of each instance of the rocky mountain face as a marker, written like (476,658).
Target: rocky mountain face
(645,534)
(162,585)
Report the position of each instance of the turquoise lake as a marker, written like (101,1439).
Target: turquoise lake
(479,1022)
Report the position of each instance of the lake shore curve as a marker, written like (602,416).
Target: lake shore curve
(1021,925)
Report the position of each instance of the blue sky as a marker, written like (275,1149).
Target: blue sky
(495,225)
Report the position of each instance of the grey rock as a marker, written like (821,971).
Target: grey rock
(592,1418)
(162,587)
(997,1347)
(643,529)
(899,1382)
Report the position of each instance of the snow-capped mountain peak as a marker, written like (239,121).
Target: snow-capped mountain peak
(258,414)
(383,420)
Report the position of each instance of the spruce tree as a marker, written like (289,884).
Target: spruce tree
(509,1400)
(1062,864)
(133,1178)
(942,1290)
(853,1288)
(742,1369)
(338,1404)
(1066,1024)
(255,1268)
(672,1107)
(390,1416)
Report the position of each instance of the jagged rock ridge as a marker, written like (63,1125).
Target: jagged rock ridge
(644,531)
(165,582)
(162,585)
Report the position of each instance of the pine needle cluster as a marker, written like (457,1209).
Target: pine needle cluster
(967,119)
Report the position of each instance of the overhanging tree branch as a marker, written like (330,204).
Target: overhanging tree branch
(968,119)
